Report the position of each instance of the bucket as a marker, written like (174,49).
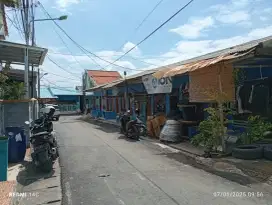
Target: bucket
(3,158)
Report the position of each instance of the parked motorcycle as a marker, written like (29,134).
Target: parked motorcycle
(43,143)
(131,128)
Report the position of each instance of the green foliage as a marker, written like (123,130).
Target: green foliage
(238,75)
(210,130)
(9,89)
(256,129)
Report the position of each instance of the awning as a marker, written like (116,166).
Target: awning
(15,53)
(189,67)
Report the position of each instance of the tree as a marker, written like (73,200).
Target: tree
(10,89)
(10,3)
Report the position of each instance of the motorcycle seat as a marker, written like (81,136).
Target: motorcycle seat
(40,133)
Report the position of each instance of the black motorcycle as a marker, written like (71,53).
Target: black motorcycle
(43,143)
(132,128)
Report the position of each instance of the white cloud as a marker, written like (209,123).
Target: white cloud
(233,17)
(130,45)
(194,28)
(186,49)
(65,3)
(232,12)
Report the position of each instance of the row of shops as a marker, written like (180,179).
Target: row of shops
(183,90)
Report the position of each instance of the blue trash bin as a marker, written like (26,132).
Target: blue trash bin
(3,158)
(17,144)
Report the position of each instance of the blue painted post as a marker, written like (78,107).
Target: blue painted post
(152,104)
(119,104)
(167,103)
(114,107)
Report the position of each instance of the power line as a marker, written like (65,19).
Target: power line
(149,14)
(60,66)
(60,75)
(85,50)
(144,20)
(80,47)
(58,87)
(65,43)
(153,32)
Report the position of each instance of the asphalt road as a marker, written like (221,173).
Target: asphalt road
(100,167)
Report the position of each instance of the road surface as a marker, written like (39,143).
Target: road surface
(100,167)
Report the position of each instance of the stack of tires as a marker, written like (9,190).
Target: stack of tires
(262,149)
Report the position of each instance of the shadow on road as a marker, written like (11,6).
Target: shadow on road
(123,137)
(30,174)
(102,126)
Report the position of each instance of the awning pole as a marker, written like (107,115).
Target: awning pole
(221,112)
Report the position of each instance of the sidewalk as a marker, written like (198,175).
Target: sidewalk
(8,187)
(29,187)
(38,187)
(245,172)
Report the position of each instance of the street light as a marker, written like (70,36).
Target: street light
(61,18)
(43,75)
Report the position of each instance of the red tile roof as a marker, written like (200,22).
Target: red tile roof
(103,77)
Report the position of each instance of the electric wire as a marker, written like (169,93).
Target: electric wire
(153,32)
(85,50)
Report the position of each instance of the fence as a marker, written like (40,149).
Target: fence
(16,112)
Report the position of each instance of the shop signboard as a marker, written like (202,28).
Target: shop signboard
(157,85)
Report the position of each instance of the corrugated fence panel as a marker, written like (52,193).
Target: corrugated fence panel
(15,114)
(204,83)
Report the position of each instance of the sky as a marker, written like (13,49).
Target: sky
(109,28)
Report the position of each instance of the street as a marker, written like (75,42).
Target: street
(100,167)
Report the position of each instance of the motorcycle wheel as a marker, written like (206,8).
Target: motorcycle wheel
(133,133)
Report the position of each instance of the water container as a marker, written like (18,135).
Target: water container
(17,144)
(171,131)
(3,158)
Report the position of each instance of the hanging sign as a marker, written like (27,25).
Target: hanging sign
(157,85)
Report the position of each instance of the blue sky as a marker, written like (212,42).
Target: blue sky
(107,28)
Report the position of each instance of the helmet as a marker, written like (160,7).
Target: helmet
(50,110)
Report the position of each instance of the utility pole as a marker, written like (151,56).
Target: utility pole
(127,103)
(32,44)
(24,15)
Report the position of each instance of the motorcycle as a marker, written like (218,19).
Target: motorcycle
(132,128)
(43,143)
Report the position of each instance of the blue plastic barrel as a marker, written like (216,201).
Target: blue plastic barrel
(17,144)
(3,158)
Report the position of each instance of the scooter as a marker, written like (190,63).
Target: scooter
(131,128)
(43,144)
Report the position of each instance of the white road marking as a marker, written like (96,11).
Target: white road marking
(68,193)
(139,175)
(120,201)
(167,147)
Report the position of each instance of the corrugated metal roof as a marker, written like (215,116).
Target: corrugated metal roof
(212,58)
(189,67)
(224,52)
(103,77)
(45,93)
(230,50)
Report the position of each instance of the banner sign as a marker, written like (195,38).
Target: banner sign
(155,86)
